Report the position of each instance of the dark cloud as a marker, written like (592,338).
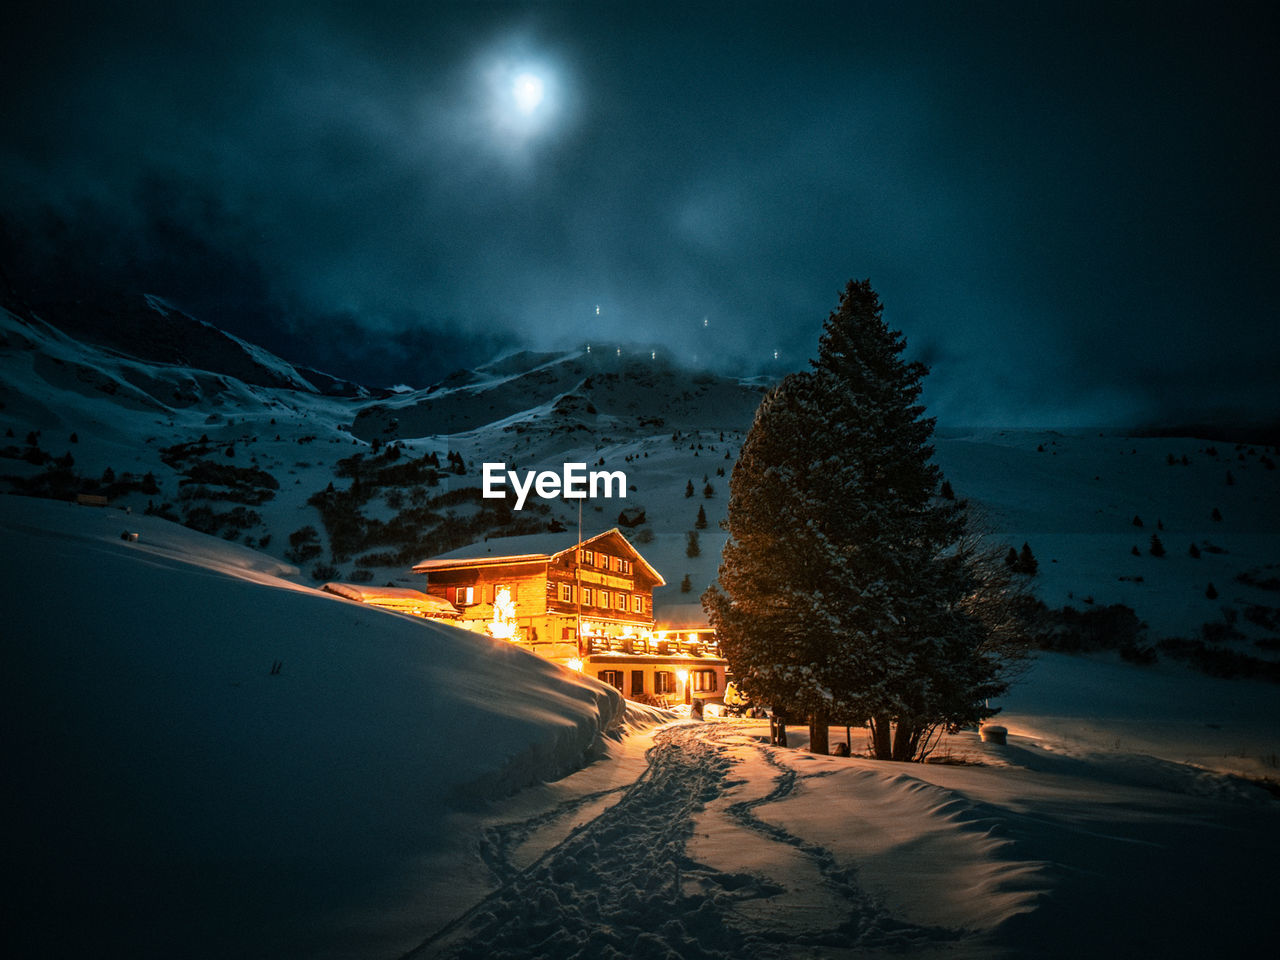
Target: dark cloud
(1072,213)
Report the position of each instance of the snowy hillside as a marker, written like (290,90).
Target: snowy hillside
(205,755)
(212,758)
(254,464)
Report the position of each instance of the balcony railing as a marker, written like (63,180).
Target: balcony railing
(639,646)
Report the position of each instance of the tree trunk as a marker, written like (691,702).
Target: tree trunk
(905,740)
(818,733)
(881,748)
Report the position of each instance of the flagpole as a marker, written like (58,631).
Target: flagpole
(577,577)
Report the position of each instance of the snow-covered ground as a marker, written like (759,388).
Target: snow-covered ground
(207,759)
(171,795)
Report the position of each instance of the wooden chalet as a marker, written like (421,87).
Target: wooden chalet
(588,606)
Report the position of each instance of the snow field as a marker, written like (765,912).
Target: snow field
(171,789)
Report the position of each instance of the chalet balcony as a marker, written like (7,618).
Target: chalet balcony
(641,646)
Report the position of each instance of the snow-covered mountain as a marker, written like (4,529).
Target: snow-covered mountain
(252,459)
(210,758)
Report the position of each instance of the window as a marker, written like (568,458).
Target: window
(613,678)
(604,598)
(461,596)
(566,592)
(637,682)
(704,681)
(664,681)
(622,600)
(568,633)
(588,557)
(637,603)
(586,596)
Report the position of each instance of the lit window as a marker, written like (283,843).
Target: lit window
(639,604)
(705,681)
(586,596)
(588,557)
(664,681)
(604,598)
(622,601)
(566,592)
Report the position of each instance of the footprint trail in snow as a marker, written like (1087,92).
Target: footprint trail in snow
(626,885)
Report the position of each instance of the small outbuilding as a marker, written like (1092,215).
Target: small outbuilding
(400,599)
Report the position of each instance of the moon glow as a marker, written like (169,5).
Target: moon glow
(528,90)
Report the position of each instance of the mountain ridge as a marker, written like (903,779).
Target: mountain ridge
(362,487)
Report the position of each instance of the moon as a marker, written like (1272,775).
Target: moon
(528,90)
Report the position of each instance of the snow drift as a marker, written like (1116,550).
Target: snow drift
(206,755)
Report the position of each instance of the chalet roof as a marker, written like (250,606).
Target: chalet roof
(396,597)
(532,547)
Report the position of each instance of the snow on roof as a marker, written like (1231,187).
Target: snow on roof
(399,597)
(527,547)
(533,546)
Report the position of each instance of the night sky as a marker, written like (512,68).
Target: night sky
(1069,210)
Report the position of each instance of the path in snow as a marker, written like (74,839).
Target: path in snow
(628,884)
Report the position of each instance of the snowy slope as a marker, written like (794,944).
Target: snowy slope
(1072,495)
(175,797)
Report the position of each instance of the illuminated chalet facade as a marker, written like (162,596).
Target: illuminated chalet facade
(588,605)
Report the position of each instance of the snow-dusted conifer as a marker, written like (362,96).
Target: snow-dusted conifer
(849,591)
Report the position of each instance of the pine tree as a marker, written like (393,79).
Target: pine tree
(701,522)
(1027,562)
(688,490)
(848,591)
(1157,548)
(692,548)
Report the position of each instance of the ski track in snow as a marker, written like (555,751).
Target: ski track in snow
(618,885)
